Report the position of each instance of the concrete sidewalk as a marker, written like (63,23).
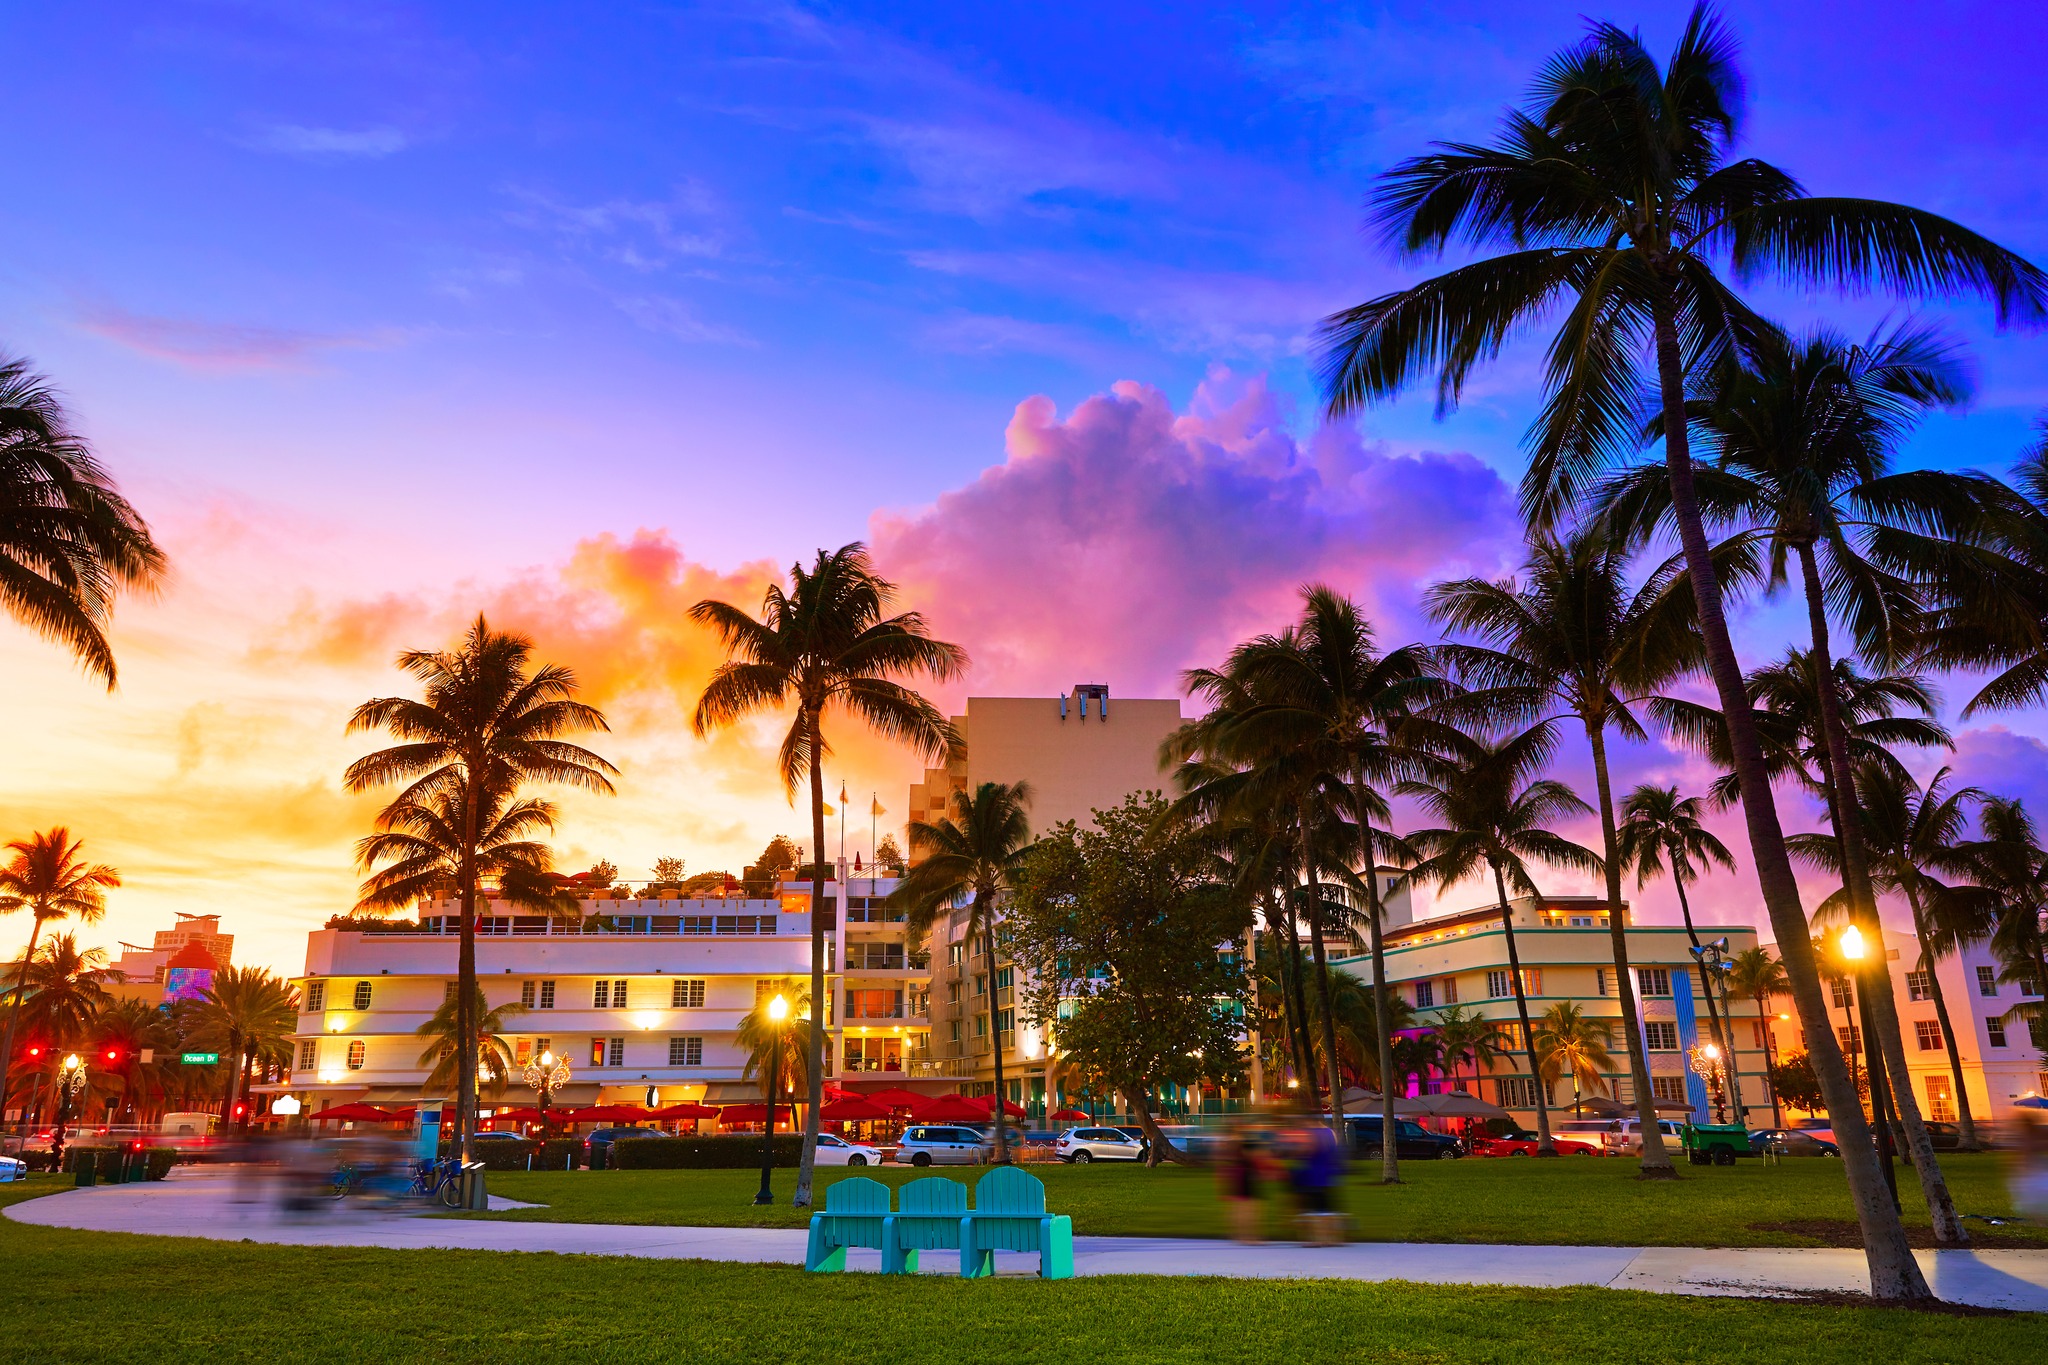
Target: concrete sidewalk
(201,1203)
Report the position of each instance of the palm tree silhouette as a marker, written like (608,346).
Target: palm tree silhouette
(443,1051)
(1756,974)
(1660,829)
(1570,1040)
(249,1016)
(45,876)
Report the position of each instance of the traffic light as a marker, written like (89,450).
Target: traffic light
(35,1052)
(113,1055)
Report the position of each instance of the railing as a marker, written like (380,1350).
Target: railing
(502,926)
(938,1066)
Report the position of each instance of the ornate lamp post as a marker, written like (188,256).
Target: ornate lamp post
(778,1011)
(546,1074)
(70,1080)
(1715,965)
(1852,949)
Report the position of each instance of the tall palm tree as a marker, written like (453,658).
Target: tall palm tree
(1659,829)
(64,987)
(2010,861)
(45,875)
(1754,973)
(68,539)
(1570,1040)
(772,1045)
(827,641)
(247,1015)
(128,1028)
(489,723)
(1465,1036)
(1495,815)
(444,1049)
(1613,201)
(974,855)
(1573,637)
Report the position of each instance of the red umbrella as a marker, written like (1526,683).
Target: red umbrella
(609,1113)
(953,1109)
(1069,1116)
(687,1110)
(357,1113)
(754,1113)
(840,1111)
(521,1116)
(1010,1107)
(897,1098)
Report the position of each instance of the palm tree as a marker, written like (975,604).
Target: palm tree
(68,539)
(2009,861)
(489,724)
(45,876)
(1572,638)
(974,855)
(65,988)
(127,1028)
(1613,201)
(1494,815)
(826,641)
(494,1054)
(1660,828)
(1759,976)
(1464,1036)
(248,1015)
(771,1045)
(1570,1040)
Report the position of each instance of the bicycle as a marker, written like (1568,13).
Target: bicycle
(438,1180)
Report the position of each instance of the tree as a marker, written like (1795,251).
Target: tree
(974,855)
(1795,1082)
(1464,1036)
(772,1044)
(1133,954)
(1659,829)
(46,876)
(1494,813)
(1574,638)
(2010,862)
(888,855)
(248,1016)
(1989,596)
(602,873)
(1614,202)
(128,1028)
(668,871)
(443,1052)
(68,539)
(1571,1041)
(1759,976)
(826,642)
(489,724)
(65,988)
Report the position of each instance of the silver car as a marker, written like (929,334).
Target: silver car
(930,1144)
(1083,1145)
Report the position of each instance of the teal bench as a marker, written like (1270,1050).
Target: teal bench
(856,1215)
(1009,1215)
(927,1218)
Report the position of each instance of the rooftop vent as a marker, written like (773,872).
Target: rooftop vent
(1084,693)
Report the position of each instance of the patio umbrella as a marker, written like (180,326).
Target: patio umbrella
(987,1104)
(953,1109)
(1452,1104)
(856,1109)
(609,1113)
(521,1116)
(686,1110)
(1069,1116)
(899,1099)
(753,1113)
(354,1113)
(2031,1102)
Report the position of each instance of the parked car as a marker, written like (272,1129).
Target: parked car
(597,1147)
(1522,1142)
(1626,1138)
(931,1144)
(1793,1142)
(12,1169)
(499,1137)
(1083,1145)
(1412,1142)
(1946,1137)
(837,1151)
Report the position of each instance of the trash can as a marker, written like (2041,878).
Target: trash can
(88,1172)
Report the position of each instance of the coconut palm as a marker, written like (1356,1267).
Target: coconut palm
(1568,1040)
(972,855)
(248,1016)
(1990,593)
(1754,973)
(1495,815)
(45,876)
(828,641)
(122,1031)
(2010,861)
(62,987)
(1614,204)
(68,539)
(1465,1036)
(1661,829)
(1573,637)
(773,1044)
(443,1051)
(489,724)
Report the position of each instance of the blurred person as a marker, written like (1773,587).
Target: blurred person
(1238,1172)
(2027,1175)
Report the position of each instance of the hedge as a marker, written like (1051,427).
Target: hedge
(701,1153)
(106,1160)
(555,1155)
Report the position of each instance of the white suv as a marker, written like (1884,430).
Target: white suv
(931,1144)
(1083,1145)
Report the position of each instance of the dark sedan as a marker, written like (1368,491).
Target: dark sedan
(1793,1142)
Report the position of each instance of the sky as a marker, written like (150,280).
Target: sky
(387,315)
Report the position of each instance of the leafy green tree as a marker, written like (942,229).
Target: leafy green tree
(974,854)
(1134,955)
(1568,1040)
(777,1045)
(1795,1082)
(443,1052)
(888,855)
(1466,1036)
(45,876)
(827,642)
(129,1028)
(1613,204)
(2009,861)
(65,988)
(668,871)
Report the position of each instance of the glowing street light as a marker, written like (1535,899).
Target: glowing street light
(546,1074)
(778,1014)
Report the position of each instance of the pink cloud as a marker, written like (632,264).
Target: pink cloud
(1126,542)
(223,345)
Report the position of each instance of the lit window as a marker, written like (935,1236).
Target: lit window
(362,995)
(1941,1106)
(1927,1032)
(356,1054)
(597,1052)
(686,995)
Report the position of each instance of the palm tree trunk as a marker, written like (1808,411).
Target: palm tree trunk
(981,923)
(1294,991)
(1545,1144)
(815,1091)
(1383,1012)
(1894,1274)
(1320,952)
(1890,1044)
(1656,1162)
(1964,1121)
(465,970)
(1763,1014)
(1725,1038)
(28,955)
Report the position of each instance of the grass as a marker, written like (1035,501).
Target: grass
(1577,1201)
(113,1298)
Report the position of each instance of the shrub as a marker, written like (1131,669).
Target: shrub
(725,1152)
(107,1160)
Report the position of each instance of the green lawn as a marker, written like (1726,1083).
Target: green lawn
(94,1297)
(1581,1201)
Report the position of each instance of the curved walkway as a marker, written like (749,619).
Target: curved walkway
(198,1202)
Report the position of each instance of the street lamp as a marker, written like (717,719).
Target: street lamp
(1715,965)
(70,1080)
(546,1074)
(778,1011)
(1853,951)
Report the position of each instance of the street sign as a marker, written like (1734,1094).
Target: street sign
(202,1059)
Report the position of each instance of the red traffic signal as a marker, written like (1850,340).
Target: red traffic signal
(113,1054)
(35,1050)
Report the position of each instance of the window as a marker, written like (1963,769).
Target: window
(447,990)
(618,1053)
(356,1054)
(1759,1034)
(1532,981)
(952,992)
(1653,980)
(954,952)
(608,995)
(362,995)
(1425,995)
(1006,1021)
(875,1003)
(981,983)
(1994,1032)
(2030,987)
(955,1030)
(522,1051)
(526,994)
(1941,1104)
(1450,990)
(547,995)
(1849,1037)
(1670,1088)
(1499,984)
(1918,987)
(316,995)
(1987,982)
(1599,981)
(543,1045)
(1509,1037)
(1844,998)
(1003,978)
(309,1055)
(2037,1032)
(597,1052)
(981,1026)
(1660,1035)
(686,995)
(1927,1033)
(1517,1092)
(686,1051)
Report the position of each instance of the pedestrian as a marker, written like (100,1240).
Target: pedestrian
(1316,1167)
(1239,1174)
